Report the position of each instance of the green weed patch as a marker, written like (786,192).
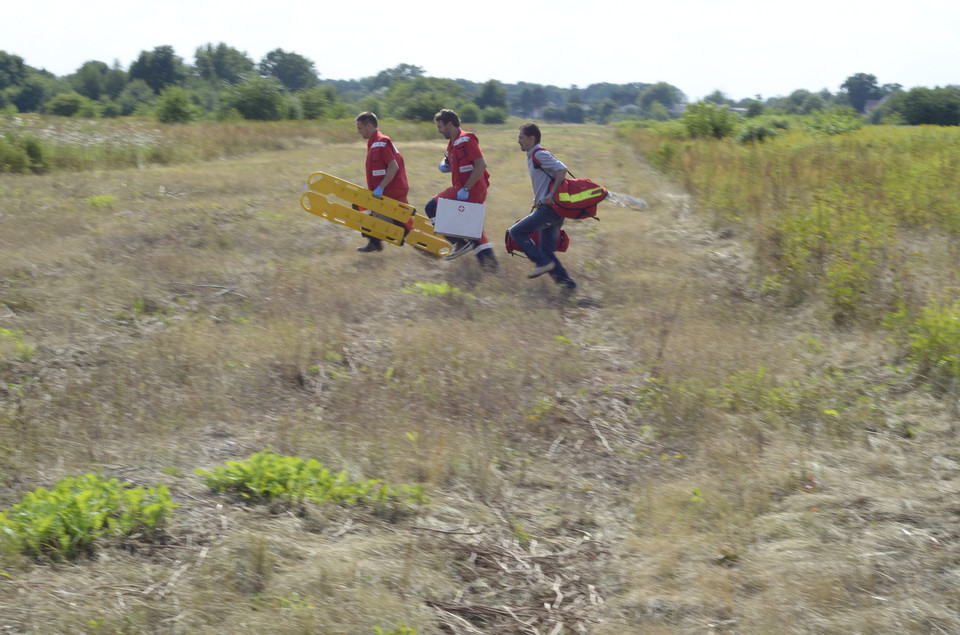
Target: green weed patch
(266,476)
(64,522)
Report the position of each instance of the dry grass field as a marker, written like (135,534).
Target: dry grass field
(646,455)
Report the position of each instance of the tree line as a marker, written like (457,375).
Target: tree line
(225,84)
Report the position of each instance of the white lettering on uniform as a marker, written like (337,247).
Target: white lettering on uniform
(466,168)
(379,172)
(461,140)
(379,144)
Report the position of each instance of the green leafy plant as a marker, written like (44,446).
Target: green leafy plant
(399,630)
(267,476)
(65,521)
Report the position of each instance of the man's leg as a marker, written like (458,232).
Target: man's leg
(549,239)
(540,220)
(373,244)
(485,255)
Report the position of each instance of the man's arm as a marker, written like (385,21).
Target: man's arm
(479,166)
(558,178)
(392,169)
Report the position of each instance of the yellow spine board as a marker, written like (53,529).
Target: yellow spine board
(316,200)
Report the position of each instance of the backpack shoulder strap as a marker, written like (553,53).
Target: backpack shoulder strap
(536,164)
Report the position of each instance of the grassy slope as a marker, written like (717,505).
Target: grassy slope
(576,471)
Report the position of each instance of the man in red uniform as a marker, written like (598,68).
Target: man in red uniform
(386,174)
(470,180)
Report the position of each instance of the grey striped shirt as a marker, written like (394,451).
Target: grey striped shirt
(541,178)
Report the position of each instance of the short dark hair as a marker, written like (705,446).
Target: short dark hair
(368,117)
(447,116)
(531,130)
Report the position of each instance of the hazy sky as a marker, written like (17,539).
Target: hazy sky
(743,47)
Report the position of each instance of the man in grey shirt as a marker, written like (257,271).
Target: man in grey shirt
(546,173)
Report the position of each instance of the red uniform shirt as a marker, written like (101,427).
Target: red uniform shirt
(380,152)
(461,153)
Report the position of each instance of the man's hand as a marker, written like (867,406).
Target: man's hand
(444,166)
(378,192)
(463,194)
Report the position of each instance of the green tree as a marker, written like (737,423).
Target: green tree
(259,98)
(602,110)
(492,95)
(936,106)
(861,87)
(661,92)
(754,108)
(531,99)
(90,79)
(552,113)
(222,63)
(421,98)
(399,73)
(33,93)
(717,97)
(573,113)
(115,81)
(292,70)
(423,106)
(158,68)
(626,94)
(799,102)
(13,72)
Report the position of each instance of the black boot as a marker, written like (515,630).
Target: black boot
(488,261)
(374,245)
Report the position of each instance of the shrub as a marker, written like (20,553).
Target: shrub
(469,113)
(831,122)
(756,130)
(318,102)
(553,113)
(21,153)
(70,104)
(110,109)
(257,98)
(423,106)
(705,119)
(494,115)
(175,106)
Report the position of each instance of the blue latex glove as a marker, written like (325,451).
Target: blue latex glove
(463,194)
(378,192)
(444,166)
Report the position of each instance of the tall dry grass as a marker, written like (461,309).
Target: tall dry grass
(664,451)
